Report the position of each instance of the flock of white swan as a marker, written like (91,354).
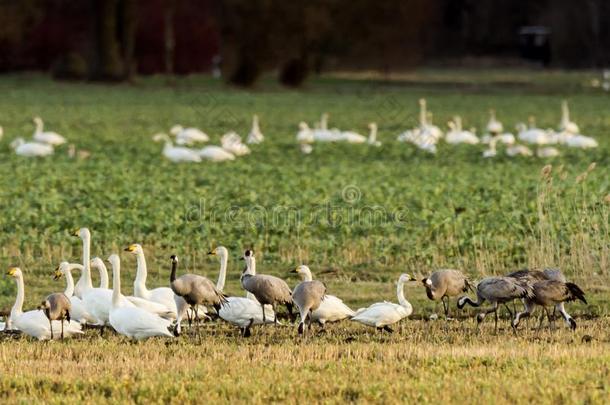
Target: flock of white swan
(191,297)
(426,136)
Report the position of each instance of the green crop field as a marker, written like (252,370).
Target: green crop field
(358,216)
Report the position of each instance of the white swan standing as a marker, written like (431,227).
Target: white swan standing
(372,140)
(177,154)
(161,295)
(31,149)
(255,136)
(331,309)
(188,136)
(565,125)
(49,138)
(240,311)
(35,323)
(78,311)
(383,314)
(494,126)
(133,322)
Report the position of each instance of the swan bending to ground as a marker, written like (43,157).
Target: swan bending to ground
(177,154)
(133,322)
(383,314)
(35,323)
(49,138)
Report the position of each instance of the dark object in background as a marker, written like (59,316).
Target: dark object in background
(535,44)
(246,73)
(294,72)
(71,66)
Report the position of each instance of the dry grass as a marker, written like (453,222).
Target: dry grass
(421,361)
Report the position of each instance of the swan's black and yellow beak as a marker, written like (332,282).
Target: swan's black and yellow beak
(75,232)
(412,279)
(57,274)
(11,271)
(212,252)
(130,248)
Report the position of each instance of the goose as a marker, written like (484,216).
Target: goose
(372,139)
(255,136)
(31,149)
(195,290)
(443,284)
(548,293)
(331,309)
(565,125)
(457,135)
(307,295)
(49,138)
(305,134)
(547,152)
(383,314)
(131,321)
(494,126)
(232,143)
(34,323)
(56,307)
(240,311)
(268,290)
(188,136)
(161,295)
(518,150)
(496,290)
(78,311)
(215,153)
(177,154)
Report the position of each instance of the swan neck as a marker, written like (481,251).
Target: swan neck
(373,135)
(103,276)
(222,275)
(86,274)
(141,274)
(400,293)
(39,126)
(69,291)
(116,284)
(18,307)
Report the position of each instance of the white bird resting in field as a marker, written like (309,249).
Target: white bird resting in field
(233,144)
(188,136)
(305,134)
(177,154)
(35,323)
(215,153)
(255,136)
(133,322)
(383,314)
(49,138)
(31,149)
(565,125)
(532,134)
(457,135)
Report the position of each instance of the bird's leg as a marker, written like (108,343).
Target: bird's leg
(496,320)
(445,307)
(388,329)
(292,317)
(509,311)
(541,320)
(102,330)
(62,328)
(264,319)
(551,319)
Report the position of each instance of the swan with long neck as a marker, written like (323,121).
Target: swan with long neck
(78,311)
(35,323)
(383,314)
(177,154)
(240,311)
(49,138)
(31,149)
(133,322)
(84,283)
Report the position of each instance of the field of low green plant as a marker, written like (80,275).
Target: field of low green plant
(357,215)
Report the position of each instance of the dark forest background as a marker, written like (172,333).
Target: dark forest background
(118,39)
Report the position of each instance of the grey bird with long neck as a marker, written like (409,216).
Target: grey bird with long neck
(268,290)
(308,296)
(442,284)
(195,289)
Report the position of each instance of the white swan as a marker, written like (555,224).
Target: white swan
(31,149)
(494,126)
(305,134)
(547,152)
(133,322)
(232,143)
(372,140)
(331,309)
(457,135)
(383,314)
(580,141)
(240,311)
(518,150)
(255,135)
(565,125)
(177,154)
(532,134)
(188,136)
(49,138)
(215,153)
(35,323)
(161,295)
(78,311)
(151,306)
